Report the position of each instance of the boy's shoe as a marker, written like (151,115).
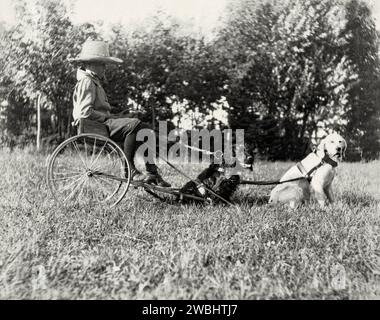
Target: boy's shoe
(138,176)
(154,177)
(150,178)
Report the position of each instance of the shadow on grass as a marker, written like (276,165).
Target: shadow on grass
(241,199)
(251,200)
(349,197)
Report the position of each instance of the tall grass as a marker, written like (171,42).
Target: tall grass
(144,249)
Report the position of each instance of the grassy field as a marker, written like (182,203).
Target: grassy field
(144,249)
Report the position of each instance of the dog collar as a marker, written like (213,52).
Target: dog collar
(327,159)
(331,162)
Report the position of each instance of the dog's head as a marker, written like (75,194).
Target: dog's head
(334,145)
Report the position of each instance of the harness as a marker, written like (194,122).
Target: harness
(308,174)
(305,174)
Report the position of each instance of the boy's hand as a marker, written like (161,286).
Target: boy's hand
(113,116)
(125,114)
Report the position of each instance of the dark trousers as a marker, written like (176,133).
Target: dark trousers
(125,130)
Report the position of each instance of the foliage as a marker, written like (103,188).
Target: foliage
(287,72)
(149,59)
(161,67)
(36,60)
(363,129)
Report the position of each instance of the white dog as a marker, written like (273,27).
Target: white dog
(318,169)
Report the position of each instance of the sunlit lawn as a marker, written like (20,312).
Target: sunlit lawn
(145,249)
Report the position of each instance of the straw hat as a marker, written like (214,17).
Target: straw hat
(96,51)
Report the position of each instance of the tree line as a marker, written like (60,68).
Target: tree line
(288,70)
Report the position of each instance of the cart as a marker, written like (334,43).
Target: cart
(90,167)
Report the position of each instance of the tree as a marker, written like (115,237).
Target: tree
(287,64)
(162,66)
(149,57)
(363,128)
(36,60)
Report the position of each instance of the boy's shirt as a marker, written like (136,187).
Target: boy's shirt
(90,100)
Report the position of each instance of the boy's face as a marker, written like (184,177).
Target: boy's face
(98,67)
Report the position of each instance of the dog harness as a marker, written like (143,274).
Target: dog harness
(308,174)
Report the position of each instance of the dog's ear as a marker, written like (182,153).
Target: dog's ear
(345,148)
(321,148)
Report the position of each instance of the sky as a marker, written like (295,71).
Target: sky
(376,11)
(204,14)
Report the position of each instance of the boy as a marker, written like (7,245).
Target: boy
(90,101)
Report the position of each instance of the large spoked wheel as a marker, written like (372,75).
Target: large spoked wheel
(88,168)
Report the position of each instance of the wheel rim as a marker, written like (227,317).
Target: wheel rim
(75,171)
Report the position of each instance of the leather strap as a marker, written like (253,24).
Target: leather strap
(303,171)
(327,159)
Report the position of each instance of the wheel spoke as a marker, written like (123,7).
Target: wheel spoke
(72,184)
(112,162)
(80,156)
(111,165)
(93,153)
(101,151)
(66,178)
(92,192)
(113,150)
(98,168)
(85,149)
(75,189)
(70,166)
(67,172)
(106,181)
(105,192)
(88,189)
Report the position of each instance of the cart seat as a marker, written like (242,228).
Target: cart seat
(89,126)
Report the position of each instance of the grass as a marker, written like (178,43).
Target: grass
(144,249)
